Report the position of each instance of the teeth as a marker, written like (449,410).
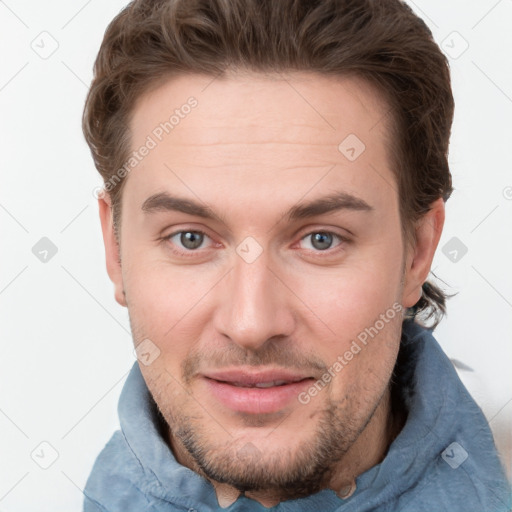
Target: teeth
(264,385)
(270,384)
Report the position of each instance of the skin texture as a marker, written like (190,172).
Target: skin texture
(255,146)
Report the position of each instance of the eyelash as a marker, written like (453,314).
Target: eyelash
(318,253)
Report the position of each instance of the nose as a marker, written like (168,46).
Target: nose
(254,305)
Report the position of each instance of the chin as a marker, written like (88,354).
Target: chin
(292,462)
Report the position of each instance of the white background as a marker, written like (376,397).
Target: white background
(66,346)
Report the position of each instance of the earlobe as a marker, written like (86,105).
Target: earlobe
(112,250)
(421,252)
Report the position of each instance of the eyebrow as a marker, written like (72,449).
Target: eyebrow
(165,202)
(328,204)
(335,202)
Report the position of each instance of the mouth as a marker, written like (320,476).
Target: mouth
(256,392)
(270,384)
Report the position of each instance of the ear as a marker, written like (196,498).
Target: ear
(421,251)
(112,252)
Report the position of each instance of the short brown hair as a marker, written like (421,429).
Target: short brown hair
(381,41)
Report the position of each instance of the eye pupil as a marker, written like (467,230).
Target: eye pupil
(321,240)
(191,239)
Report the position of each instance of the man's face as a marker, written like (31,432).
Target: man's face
(247,309)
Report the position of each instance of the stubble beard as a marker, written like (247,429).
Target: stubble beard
(290,473)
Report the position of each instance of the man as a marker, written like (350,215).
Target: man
(275,177)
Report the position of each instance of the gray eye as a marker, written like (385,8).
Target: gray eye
(321,240)
(191,239)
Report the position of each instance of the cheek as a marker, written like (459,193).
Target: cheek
(361,306)
(158,290)
(363,359)
(165,305)
(351,298)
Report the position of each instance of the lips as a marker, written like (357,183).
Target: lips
(256,392)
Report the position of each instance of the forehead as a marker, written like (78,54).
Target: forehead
(260,105)
(265,136)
